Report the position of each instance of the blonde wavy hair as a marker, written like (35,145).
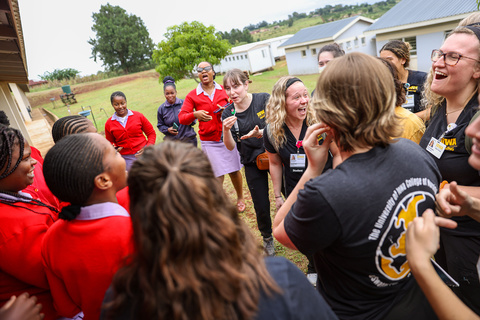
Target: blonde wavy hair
(356,97)
(430,98)
(276,113)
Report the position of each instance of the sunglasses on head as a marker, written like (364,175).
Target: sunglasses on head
(207,68)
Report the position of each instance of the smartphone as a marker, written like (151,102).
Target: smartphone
(223,108)
(446,278)
(175,126)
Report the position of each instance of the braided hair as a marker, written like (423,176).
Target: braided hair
(4,118)
(70,168)
(9,138)
(69,125)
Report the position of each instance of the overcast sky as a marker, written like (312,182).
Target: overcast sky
(56,31)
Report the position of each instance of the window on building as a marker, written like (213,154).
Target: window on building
(246,57)
(304,53)
(363,41)
(355,43)
(413,44)
(314,52)
(349,45)
(241,57)
(263,53)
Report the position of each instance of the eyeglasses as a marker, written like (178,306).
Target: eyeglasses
(450,58)
(207,68)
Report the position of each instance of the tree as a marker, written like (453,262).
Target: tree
(187,45)
(122,41)
(59,74)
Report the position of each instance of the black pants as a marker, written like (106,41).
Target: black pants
(257,181)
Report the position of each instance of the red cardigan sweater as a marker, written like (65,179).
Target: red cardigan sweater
(22,228)
(80,258)
(210,130)
(38,189)
(131,137)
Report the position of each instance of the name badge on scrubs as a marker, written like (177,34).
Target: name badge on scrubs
(436,148)
(297,162)
(410,103)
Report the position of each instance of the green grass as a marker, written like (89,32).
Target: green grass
(146,94)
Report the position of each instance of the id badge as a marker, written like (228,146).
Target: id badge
(436,148)
(410,103)
(297,162)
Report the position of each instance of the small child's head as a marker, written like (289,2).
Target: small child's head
(71,125)
(16,163)
(82,168)
(119,103)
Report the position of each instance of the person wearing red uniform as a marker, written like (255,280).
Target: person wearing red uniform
(206,103)
(84,249)
(24,222)
(125,129)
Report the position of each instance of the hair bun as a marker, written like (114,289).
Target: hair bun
(168,79)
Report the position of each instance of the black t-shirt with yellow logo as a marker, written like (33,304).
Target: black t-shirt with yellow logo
(247,120)
(353,220)
(416,79)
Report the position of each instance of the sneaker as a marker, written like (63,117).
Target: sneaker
(268,246)
(312,277)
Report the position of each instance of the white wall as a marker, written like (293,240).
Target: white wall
(425,44)
(260,59)
(232,61)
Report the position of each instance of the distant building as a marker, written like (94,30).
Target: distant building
(424,24)
(301,50)
(254,57)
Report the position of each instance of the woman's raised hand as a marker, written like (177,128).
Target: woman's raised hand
(254,133)
(317,154)
(229,122)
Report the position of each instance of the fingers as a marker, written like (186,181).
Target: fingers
(443,202)
(459,195)
(445,223)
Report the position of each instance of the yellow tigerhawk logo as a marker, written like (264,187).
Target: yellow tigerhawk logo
(391,257)
(450,144)
(261,114)
(413,88)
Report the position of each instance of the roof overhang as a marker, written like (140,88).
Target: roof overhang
(328,39)
(13,62)
(420,24)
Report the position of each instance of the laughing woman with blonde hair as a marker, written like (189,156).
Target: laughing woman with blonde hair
(352,219)
(452,90)
(288,117)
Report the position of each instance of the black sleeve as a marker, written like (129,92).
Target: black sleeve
(311,224)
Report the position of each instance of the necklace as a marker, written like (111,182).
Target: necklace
(456,110)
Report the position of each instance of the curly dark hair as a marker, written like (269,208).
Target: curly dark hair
(399,86)
(194,257)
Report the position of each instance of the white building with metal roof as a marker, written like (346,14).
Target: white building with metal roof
(254,57)
(301,50)
(424,24)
